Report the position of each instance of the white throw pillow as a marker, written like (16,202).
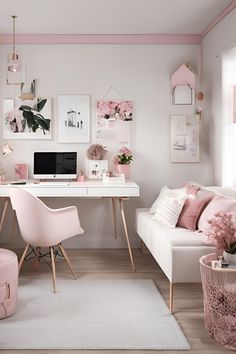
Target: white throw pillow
(178,193)
(168,211)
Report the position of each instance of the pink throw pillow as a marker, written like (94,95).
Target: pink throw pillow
(218,204)
(191,212)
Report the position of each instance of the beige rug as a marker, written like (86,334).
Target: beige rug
(90,314)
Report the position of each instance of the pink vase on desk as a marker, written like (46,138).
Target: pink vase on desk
(125,169)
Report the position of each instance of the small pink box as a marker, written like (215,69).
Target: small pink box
(21,171)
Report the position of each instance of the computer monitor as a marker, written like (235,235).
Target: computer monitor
(55,165)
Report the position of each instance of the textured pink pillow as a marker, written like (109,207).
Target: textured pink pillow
(218,204)
(191,212)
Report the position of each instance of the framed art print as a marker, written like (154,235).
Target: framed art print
(185,138)
(73,119)
(27,119)
(114,123)
(97,168)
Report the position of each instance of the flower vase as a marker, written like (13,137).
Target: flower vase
(125,169)
(230,257)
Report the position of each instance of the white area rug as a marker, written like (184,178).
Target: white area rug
(90,314)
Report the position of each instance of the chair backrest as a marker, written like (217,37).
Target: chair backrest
(32,214)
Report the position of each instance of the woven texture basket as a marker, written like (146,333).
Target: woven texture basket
(219,294)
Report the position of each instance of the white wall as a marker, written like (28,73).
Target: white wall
(215,44)
(142,74)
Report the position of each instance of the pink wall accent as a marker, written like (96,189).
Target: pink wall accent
(103,39)
(183,76)
(217,19)
(234,103)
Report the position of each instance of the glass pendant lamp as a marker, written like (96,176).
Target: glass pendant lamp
(15,69)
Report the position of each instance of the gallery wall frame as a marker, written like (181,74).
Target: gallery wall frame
(27,119)
(185,138)
(73,118)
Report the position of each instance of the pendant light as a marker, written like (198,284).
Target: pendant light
(15,69)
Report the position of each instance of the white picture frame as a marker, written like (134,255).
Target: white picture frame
(97,168)
(73,119)
(27,119)
(185,138)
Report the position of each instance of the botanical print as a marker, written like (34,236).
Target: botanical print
(74,119)
(114,121)
(185,138)
(115,110)
(27,119)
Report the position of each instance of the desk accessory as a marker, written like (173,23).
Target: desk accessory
(119,178)
(21,171)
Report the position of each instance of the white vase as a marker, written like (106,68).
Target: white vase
(229,257)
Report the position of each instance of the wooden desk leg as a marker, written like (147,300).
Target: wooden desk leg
(126,231)
(4,213)
(114,216)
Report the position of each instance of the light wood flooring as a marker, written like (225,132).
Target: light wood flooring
(115,264)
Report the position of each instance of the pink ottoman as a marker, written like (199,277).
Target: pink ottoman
(8,282)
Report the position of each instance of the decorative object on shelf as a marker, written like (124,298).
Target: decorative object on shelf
(27,119)
(114,122)
(96,152)
(183,83)
(122,161)
(185,138)
(21,171)
(30,93)
(199,97)
(223,233)
(73,119)
(15,69)
(119,178)
(97,168)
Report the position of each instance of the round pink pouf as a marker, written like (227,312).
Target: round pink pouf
(8,282)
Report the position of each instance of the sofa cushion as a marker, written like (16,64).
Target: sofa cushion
(191,213)
(168,211)
(218,204)
(178,193)
(150,231)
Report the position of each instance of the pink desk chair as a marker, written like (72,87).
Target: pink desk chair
(41,226)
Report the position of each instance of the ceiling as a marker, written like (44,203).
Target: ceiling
(109,16)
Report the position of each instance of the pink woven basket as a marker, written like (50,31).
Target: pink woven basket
(219,294)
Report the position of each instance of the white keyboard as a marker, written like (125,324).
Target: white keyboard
(54,183)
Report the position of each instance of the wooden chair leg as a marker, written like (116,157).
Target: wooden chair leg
(23,257)
(67,259)
(171,297)
(53,269)
(37,260)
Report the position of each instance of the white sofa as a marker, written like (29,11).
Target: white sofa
(177,251)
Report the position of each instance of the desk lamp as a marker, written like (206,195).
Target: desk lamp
(5,149)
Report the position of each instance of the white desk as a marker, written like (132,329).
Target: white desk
(89,189)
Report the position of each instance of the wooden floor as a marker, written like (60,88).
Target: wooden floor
(115,264)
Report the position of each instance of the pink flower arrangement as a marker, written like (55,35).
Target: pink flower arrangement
(223,232)
(124,157)
(122,110)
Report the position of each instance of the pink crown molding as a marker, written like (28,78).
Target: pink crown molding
(102,39)
(219,18)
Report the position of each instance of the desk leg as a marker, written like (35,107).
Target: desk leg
(126,231)
(114,216)
(4,213)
